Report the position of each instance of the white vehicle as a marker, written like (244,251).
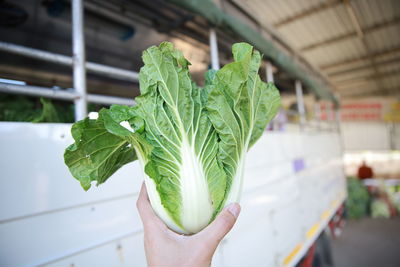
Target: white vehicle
(294,184)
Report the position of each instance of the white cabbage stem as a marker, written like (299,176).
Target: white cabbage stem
(158,208)
(196,206)
(235,191)
(155,200)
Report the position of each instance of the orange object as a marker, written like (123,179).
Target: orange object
(365,171)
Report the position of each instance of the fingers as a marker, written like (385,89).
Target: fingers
(149,218)
(224,222)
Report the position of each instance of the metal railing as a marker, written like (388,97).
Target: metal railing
(78,62)
(79,94)
(107,71)
(68,94)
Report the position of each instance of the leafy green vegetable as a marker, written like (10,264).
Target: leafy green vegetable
(380,209)
(358,199)
(49,112)
(28,109)
(190,141)
(17,108)
(97,153)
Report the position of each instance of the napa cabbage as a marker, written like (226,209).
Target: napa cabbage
(191,142)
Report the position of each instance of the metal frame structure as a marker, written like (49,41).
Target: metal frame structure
(79,59)
(80,66)
(301,111)
(268,72)
(361,39)
(214,50)
(69,94)
(91,67)
(79,94)
(300,103)
(317,112)
(78,62)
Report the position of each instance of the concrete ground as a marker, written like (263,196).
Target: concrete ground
(368,243)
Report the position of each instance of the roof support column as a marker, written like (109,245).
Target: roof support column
(79,60)
(329,112)
(214,50)
(338,119)
(300,104)
(269,73)
(317,113)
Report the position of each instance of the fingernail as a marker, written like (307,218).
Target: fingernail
(234,209)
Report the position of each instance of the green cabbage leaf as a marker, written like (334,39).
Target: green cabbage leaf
(190,141)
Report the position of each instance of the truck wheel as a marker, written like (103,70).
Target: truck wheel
(323,253)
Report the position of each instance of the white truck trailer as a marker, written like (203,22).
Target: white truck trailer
(294,184)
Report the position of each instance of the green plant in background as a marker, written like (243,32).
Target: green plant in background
(380,209)
(358,199)
(29,109)
(191,141)
(18,108)
(49,112)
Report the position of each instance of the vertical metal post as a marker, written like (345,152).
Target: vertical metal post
(329,112)
(392,135)
(337,118)
(214,50)
(269,73)
(317,114)
(78,57)
(300,103)
(339,129)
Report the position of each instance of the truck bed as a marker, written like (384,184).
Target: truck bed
(294,183)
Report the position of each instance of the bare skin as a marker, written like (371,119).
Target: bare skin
(168,249)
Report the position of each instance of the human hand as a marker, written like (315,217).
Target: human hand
(166,248)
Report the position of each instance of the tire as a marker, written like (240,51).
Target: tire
(323,253)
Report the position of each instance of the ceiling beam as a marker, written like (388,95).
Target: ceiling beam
(353,18)
(242,10)
(361,36)
(308,12)
(281,41)
(361,83)
(360,59)
(329,41)
(350,35)
(266,43)
(346,71)
(368,78)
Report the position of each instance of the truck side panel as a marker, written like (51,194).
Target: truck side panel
(293,184)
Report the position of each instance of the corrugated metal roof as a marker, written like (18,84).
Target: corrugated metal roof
(341,51)
(388,37)
(324,32)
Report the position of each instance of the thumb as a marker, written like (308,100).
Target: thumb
(224,222)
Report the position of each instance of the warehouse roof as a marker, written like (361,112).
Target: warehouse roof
(355,44)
